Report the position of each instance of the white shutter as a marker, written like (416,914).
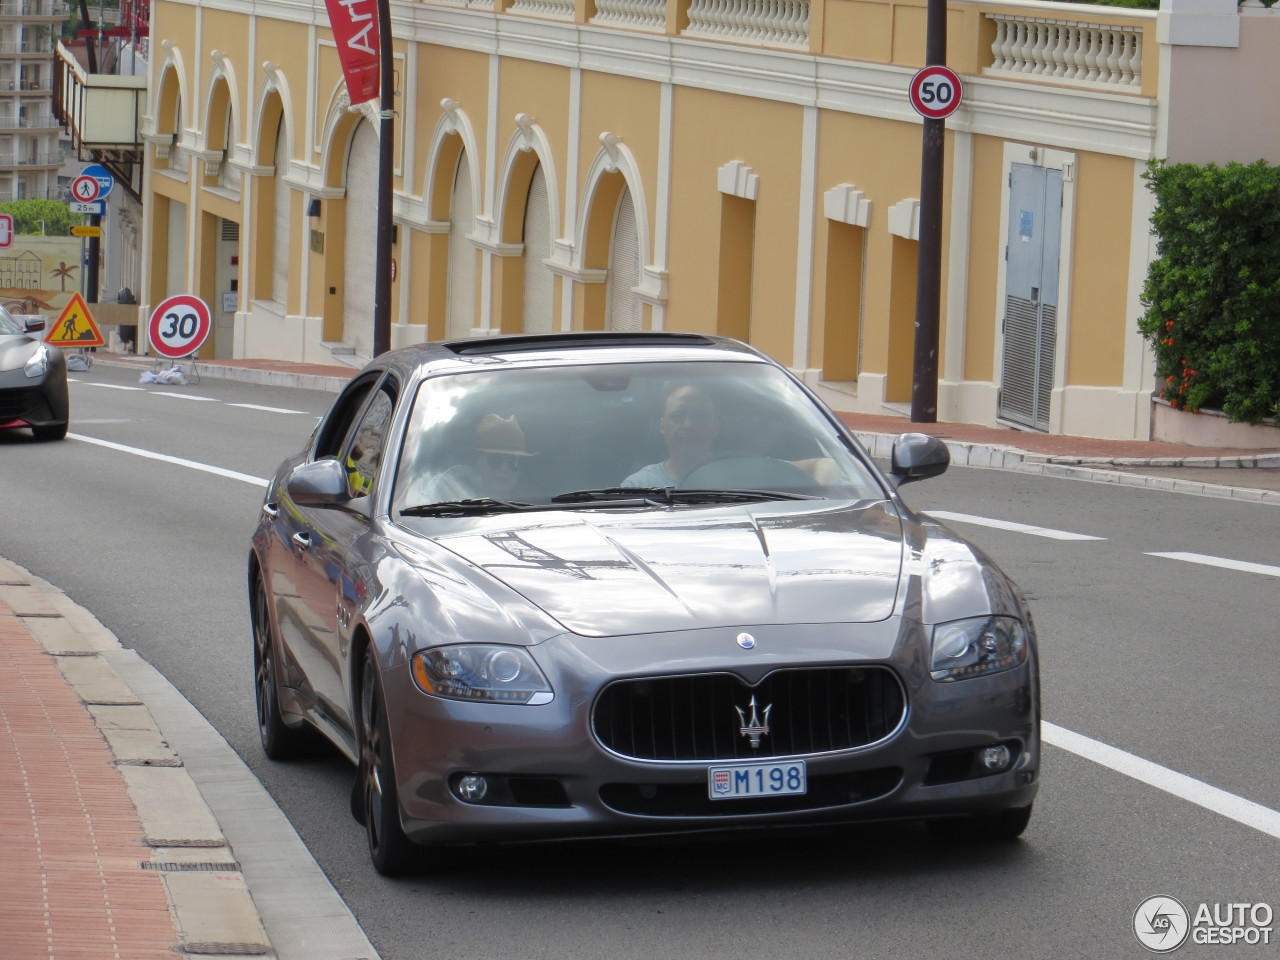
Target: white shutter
(538,282)
(176,272)
(624,268)
(359,268)
(460,317)
(280,243)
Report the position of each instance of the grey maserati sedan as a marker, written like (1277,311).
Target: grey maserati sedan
(615,584)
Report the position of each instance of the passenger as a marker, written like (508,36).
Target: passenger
(491,469)
(689,426)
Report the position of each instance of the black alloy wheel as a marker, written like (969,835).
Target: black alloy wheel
(279,741)
(392,852)
(1003,825)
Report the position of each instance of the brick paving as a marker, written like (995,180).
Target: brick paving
(71,842)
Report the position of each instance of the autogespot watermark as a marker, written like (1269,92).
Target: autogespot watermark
(1162,924)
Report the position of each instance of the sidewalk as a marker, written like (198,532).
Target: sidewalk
(120,808)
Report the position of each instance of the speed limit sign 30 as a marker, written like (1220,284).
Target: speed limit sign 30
(179,326)
(935,92)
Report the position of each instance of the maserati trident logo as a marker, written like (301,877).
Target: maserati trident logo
(754,727)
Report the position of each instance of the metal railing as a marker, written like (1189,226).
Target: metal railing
(32,8)
(42,122)
(31,160)
(27,46)
(27,86)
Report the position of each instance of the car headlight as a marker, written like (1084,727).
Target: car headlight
(486,672)
(37,364)
(977,647)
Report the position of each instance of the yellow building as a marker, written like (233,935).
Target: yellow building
(744,167)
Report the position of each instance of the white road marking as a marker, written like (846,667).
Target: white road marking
(193,464)
(258,406)
(1243,811)
(184,396)
(109,386)
(1010,525)
(1246,566)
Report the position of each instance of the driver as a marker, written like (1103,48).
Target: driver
(689,426)
(491,467)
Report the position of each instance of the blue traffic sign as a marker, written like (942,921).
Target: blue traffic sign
(100,173)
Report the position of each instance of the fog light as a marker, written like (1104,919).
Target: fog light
(994,759)
(473,788)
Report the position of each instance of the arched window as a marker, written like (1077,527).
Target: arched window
(359,282)
(460,318)
(624,268)
(539,285)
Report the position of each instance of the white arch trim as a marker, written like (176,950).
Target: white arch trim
(528,136)
(274,81)
(615,157)
(456,121)
(223,69)
(172,60)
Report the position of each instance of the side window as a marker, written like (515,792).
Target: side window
(364,445)
(337,427)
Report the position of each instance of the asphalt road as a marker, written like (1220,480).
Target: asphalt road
(1172,660)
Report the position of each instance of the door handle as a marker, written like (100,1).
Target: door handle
(302,541)
(271,510)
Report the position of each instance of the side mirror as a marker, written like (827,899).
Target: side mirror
(322,483)
(917,456)
(32,324)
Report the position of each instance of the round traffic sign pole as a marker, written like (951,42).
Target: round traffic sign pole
(179,326)
(936,92)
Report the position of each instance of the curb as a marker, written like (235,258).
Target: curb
(239,880)
(217,371)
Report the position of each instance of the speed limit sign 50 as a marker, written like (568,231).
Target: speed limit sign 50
(179,326)
(935,92)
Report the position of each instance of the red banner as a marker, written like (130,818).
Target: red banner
(355,30)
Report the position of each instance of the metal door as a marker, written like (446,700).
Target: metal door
(1031,294)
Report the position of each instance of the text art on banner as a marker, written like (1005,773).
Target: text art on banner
(355,30)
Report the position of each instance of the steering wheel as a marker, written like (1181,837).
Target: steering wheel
(746,472)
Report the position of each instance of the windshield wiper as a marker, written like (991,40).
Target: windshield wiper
(669,496)
(461,508)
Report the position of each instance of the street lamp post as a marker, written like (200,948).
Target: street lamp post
(386,168)
(924,382)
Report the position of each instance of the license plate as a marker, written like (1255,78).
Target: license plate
(756,780)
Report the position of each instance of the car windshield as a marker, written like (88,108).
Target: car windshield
(620,434)
(8,325)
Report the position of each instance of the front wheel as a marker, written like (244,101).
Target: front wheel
(1003,825)
(392,852)
(52,431)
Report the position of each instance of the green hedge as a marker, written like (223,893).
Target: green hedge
(1212,295)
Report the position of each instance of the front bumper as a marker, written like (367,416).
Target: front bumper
(553,778)
(34,401)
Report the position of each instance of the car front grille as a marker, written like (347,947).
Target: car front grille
(700,717)
(21,404)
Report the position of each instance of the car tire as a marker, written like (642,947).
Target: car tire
(1003,825)
(392,852)
(55,431)
(279,740)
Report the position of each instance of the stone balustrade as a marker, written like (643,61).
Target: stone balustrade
(1066,51)
(781,23)
(649,15)
(548,9)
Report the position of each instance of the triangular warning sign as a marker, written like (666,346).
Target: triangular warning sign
(75,327)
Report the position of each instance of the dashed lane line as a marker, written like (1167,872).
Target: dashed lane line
(1010,525)
(258,406)
(192,464)
(1224,562)
(185,396)
(109,386)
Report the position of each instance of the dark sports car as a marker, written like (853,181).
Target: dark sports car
(33,380)
(619,584)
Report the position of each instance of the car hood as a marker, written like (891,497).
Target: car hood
(607,573)
(15,350)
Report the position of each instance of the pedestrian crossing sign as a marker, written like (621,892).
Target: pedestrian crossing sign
(75,327)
